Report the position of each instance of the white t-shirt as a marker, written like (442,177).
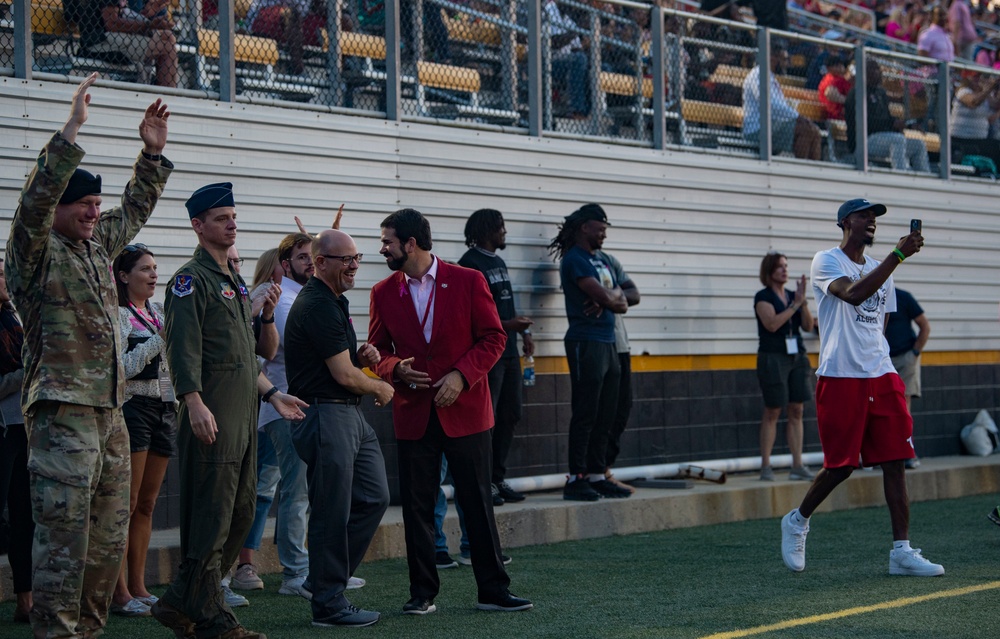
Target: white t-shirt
(851,338)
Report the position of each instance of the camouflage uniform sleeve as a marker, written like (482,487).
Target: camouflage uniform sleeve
(185,314)
(119,225)
(29,232)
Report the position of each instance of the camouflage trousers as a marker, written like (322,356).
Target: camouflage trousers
(78,461)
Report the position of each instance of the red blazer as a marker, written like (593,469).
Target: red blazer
(466,335)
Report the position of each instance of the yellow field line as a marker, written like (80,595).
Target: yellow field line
(860,610)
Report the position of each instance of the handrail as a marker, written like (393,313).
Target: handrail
(865,37)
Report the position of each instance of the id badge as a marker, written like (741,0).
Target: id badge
(792,345)
(166,389)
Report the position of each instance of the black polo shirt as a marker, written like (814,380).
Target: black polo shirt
(319,326)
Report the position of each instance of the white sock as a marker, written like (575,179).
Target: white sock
(798,519)
(595,476)
(902,544)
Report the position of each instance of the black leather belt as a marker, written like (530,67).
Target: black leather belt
(354,401)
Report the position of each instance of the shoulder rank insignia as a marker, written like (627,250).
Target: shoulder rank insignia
(227,290)
(183,285)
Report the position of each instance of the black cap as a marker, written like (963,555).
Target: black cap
(81,184)
(858,204)
(588,212)
(209,197)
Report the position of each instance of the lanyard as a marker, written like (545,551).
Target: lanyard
(154,330)
(427,309)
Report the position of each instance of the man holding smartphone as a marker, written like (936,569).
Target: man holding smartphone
(860,406)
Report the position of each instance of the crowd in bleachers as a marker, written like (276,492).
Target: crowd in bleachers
(468,59)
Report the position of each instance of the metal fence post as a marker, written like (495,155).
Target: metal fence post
(534,43)
(393,91)
(23,55)
(943,124)
(227,51)
(764,103)
(659,93)
(334,54)
(860,108)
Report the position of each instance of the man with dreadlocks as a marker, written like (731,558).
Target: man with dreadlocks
(592,298)
(485,234)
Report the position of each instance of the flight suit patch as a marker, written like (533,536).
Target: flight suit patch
(227,290)
(183,285)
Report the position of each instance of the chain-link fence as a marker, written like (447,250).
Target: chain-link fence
(706,64)
(594,72)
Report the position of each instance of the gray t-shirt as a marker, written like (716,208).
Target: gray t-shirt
(621,335)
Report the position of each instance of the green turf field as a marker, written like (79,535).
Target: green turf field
(721,581)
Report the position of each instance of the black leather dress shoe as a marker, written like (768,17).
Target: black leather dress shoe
(505,602)
(419,606)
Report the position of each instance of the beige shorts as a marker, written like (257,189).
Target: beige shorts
(908,367)
(133,45)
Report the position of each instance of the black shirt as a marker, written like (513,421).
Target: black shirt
(775,342)
(879,117)
(899,325)
(319,326)
(494,269)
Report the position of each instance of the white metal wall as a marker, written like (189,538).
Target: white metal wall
(689,227)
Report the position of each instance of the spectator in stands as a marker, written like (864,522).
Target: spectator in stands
(833,87)
(976,105)
(986,53)
(789,130)
(570,63)
(291,23)
(772,14)
(885,133)
(934,41)
(782,363)
(963,31)
(110,26)
(900,26)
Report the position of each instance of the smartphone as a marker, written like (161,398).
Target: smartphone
(916,225)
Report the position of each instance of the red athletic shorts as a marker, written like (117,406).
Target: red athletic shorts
(864,418)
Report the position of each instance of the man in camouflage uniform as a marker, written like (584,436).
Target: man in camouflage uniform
(210,350)
(59,271)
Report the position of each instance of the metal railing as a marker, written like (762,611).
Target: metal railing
(626,72)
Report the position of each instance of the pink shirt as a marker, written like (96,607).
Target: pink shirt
(422,294)
(960,19)
(936,42)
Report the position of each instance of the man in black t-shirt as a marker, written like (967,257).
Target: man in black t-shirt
(905,345)
(485,234)
(348,490)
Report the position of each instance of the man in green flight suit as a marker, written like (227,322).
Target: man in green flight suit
(210,350)
(59,272)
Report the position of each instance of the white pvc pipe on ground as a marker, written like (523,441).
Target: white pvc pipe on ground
(739,464)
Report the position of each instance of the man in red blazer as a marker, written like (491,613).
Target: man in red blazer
(438,332)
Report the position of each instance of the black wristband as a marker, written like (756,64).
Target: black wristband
(151,157)
(264,320)
(266,397)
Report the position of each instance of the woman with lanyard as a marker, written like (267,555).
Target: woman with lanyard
(14,479)
(149,416)
(782,365)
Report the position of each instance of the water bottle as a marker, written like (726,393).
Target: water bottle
(529,371)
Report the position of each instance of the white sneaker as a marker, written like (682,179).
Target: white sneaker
(246,578)
(234,600)
(295,586)
(793,543)
(355,582)
(912,564)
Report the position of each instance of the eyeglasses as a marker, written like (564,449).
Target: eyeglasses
(345,259)
(236,261)
(132,248)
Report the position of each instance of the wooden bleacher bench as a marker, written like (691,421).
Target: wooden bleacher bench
(710,113)
(622,84)
(481,36)
(729,74)
(247,48)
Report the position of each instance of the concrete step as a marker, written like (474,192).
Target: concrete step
(546,518)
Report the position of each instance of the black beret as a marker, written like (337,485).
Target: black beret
(210,197)
(81,184)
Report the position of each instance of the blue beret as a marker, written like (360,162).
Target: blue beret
(81,184)
(210,197)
